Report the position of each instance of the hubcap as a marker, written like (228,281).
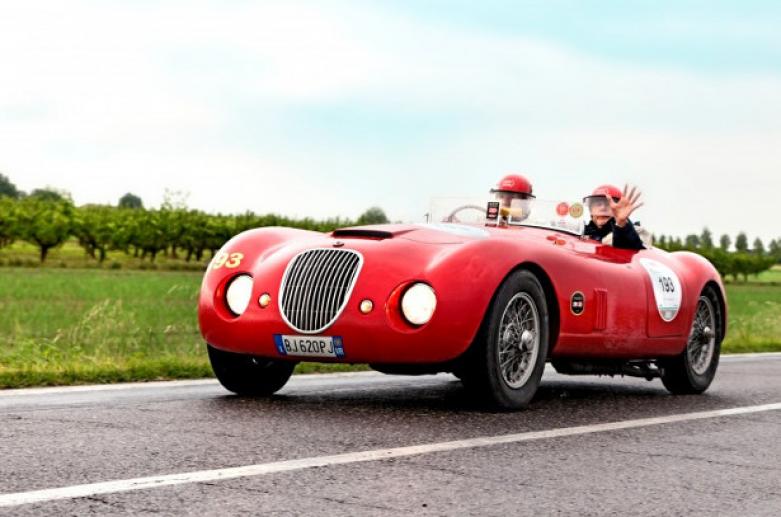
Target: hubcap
(702,338)
(519,340)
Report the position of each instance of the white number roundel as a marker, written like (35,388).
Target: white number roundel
(667,288)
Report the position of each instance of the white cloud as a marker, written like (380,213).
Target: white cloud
(105,98)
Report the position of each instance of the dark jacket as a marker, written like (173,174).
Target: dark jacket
(626,237)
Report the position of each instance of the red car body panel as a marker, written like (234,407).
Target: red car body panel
(465,265)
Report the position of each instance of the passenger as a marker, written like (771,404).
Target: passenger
(514,193)
(610,210)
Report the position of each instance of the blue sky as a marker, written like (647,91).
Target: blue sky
(326,108)
(713,36)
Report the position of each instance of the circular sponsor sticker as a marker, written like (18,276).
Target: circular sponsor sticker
(576,210)
(562,209)
(667,288)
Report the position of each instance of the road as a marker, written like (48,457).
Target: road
(369,444)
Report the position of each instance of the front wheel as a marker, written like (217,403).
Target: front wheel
(509,355)
(249,375)
(694,369)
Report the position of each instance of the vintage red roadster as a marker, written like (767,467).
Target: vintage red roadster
(491,302)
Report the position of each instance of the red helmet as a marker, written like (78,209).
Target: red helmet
(514,184)
(606,191)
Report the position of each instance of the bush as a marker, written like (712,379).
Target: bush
(49,218)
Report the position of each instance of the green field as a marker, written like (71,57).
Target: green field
(65,326)
(72,256)
(81,326)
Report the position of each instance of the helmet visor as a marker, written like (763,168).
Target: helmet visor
(598,205)
(514,207)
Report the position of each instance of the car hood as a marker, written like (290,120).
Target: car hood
(432,233)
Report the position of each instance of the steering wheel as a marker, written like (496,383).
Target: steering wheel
(452,217)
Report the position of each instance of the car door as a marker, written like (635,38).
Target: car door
(613,319)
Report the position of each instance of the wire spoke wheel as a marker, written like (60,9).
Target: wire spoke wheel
(504,365)
(702,338)
(518,340)
(693,370)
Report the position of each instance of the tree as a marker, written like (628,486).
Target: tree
(130,201)
(721,260)
(128,222)
(742,265)
(706,239)
(8,225)
(759,247)
(692,242)
(47,224)
(95,226)
(374,215)
(8,189)
(725,242)
(50,194)
(151,234)
(195,239)
(761,263)
(774,249)
(741,242)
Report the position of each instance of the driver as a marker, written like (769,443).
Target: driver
(610,209)
(514,193)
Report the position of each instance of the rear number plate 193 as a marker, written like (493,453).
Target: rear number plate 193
(310,346)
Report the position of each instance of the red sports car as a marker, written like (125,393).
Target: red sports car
(489,302)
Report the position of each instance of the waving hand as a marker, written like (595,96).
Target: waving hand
(624,207)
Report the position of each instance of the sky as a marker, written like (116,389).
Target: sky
(325,108)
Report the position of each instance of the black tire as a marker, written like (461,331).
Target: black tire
(483,371)
(249,375)
(692,372)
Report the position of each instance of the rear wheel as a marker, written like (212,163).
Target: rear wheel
(694,369)
(508,357)
(247,374)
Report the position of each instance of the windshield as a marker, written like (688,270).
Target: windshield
(567,216)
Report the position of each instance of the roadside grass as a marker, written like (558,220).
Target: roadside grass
(754,318)
(89,326)
(74,326)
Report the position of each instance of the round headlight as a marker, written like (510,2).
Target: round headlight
(239,294)
(418,304)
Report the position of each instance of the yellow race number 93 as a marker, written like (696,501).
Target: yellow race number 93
(227,260)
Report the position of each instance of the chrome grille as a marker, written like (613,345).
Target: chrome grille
(316,287)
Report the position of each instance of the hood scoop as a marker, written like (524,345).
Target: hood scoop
(376,232)
(362,234)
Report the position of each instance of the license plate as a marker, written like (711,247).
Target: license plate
(310,346)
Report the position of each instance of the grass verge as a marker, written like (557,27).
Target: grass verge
(75,326)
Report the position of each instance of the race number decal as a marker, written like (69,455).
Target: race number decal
(227,260)
(667,288)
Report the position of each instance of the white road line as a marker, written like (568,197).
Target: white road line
(105,387)
(169,384)
(752,356)
(126,485)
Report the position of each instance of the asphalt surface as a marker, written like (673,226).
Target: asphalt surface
(726,465)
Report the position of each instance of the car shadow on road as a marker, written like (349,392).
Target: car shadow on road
(569,396)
